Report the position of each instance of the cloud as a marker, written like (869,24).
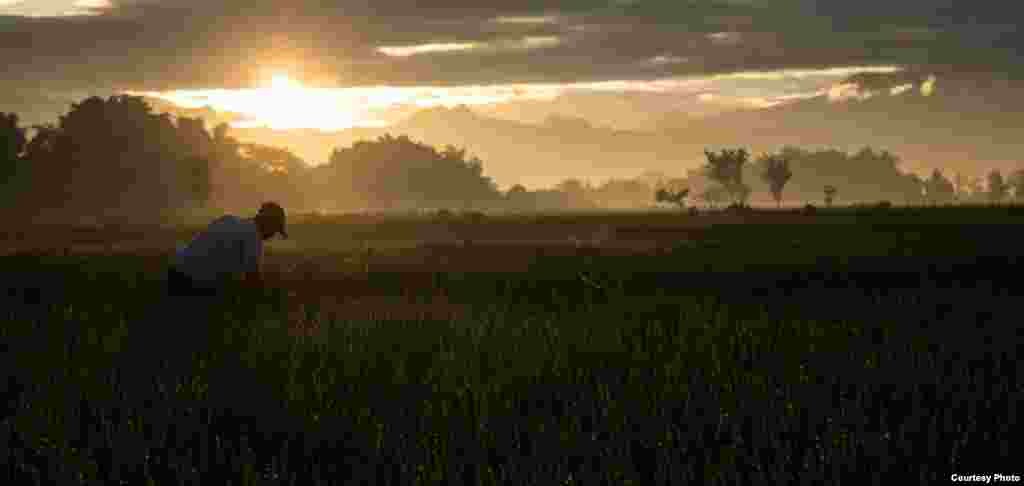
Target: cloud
(897,90)
(534,42)
(335,109)
(53,8)
(192,44)
(725,38)
(544,19)
(848,91)
(405,51)
(528,42)
(662,59)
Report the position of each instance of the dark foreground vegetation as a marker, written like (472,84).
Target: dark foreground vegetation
(862,347)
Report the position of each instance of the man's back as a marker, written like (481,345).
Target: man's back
(229,245)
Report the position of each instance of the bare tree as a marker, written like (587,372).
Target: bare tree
(939,189)
(997,187)
(775,172)
(1016,180)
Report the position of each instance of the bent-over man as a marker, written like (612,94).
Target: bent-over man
(230,246)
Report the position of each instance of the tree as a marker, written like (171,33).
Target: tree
(1016,180)
(677,198)
(12,137)
(196,171)
(775,171)
(830,194)
(12,145)
(866,175)
(997,187)
(623,193)
(959,187)
(726,168)
(713,195)
(575,191)
(398,173)
(939,189)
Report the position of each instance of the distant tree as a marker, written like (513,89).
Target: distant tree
(726,168)
(959,187)
(575,191)
(714,195)
(677,198)
(939,189)
(517,197)
(830,194)
(623,193)
(776,173)
(997,187)
(976,187)
(396,172)
(1016,180)
(866,175)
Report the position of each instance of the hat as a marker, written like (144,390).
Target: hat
(273,213)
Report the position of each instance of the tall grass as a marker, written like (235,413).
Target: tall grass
(741,361)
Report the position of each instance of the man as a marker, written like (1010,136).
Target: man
(230,246)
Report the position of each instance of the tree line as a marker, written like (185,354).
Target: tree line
(826,175)
(115,157)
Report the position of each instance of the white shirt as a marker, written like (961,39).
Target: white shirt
(230,245)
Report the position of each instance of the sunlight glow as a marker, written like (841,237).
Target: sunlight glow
(284,103)
(281,82)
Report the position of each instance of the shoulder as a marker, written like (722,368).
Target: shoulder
(233,227)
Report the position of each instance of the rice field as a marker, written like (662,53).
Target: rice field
(852,346)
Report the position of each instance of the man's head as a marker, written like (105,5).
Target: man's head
(271,220)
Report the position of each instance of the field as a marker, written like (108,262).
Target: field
(855,345)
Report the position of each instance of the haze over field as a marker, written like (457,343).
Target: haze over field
(543,92)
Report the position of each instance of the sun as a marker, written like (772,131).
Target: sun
(281,82)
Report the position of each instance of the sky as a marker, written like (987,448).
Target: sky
(337,64)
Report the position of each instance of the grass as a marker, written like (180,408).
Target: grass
(840,346)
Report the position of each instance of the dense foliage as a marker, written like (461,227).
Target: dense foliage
(115,158)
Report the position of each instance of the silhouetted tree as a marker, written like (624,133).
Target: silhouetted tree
(12,137)
(867,175)
(12,144)
(959,187)
(713,195)
(976,190)
(114,157)
(677,198)
(939,188)
(107,157)
(726,168)
(775,171)
(1016,180)
(830,194)
(997,187)
(396,172)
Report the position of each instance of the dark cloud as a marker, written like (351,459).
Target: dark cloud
(164,44)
